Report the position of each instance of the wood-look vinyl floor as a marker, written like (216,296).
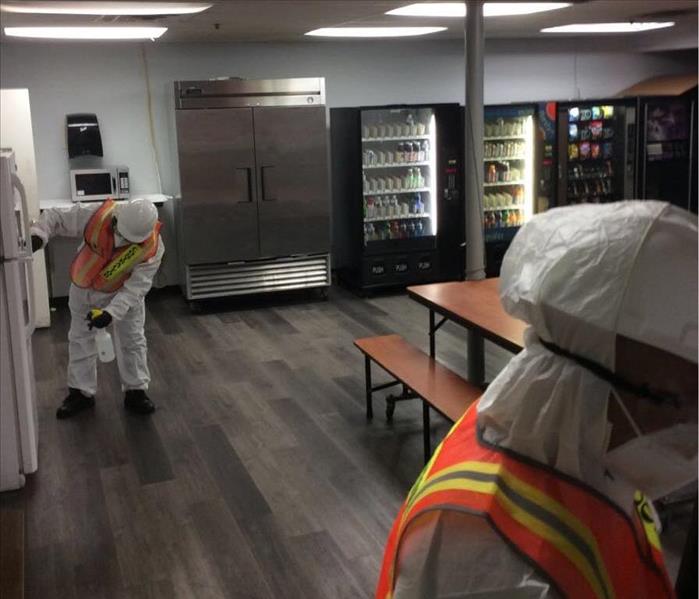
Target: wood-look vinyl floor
(258,476)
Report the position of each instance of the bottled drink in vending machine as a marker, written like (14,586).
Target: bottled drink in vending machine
(408,179)
(395,230)
(425,150)
(419,205)
(419,228)
(400,153)
(411,230)
(403,230)
(410,121)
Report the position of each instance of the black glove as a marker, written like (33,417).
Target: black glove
(98,318)
(37,243)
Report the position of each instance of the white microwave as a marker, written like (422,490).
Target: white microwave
(91,184)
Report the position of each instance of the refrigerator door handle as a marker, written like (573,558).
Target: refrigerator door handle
(26,256)
(248,183)
(262,183)
(17,184)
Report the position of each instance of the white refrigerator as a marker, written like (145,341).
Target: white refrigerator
(18,412)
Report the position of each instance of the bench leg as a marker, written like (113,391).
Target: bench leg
(367,378)
(426,430)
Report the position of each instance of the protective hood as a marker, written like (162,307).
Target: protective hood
(580,276)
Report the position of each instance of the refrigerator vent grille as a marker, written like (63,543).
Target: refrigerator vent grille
(259,276)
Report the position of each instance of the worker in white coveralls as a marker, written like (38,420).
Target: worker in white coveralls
(111,275)
(544,488)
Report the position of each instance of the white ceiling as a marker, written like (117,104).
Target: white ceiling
(288,20)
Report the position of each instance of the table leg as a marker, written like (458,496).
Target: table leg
(433,333)
(367,379)
(426,430)
(476,358)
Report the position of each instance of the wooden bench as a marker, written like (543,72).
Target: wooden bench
(421,376)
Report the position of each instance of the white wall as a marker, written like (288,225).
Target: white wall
(109,80)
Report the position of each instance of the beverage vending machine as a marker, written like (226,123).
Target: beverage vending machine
(510,181)
(397,207)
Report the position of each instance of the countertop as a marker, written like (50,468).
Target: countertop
(157,198)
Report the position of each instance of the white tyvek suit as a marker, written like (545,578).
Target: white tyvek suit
(579,276)
(126,306)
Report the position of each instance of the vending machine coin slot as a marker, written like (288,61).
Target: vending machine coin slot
(451,191)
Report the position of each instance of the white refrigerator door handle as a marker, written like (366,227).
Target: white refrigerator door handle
(17,184)
(27,255)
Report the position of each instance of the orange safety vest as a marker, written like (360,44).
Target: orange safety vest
(98,265)
(586,546)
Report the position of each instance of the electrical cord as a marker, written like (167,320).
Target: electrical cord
(151,127)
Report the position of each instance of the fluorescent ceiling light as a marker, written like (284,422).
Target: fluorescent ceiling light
(490,9)
(607,27)
(87,33)
(511,9)
(373,31)
(105,8)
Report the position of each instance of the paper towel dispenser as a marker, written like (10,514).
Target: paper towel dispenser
(84,137)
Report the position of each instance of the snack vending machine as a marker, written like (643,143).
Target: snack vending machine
(667,163)
(597,151)
(509,177)
(398,214)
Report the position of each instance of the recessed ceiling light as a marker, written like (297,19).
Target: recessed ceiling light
(490,9)
(105,8)
(373,31)
(87,33)
(607,27)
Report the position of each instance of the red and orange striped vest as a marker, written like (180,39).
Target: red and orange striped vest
(587,547)
(99,265)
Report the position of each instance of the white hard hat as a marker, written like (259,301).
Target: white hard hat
(136,219)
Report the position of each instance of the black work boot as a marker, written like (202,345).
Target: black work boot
(136,401)
(74,403)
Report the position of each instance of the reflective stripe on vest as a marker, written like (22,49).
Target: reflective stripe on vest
(98,265)
(586,546)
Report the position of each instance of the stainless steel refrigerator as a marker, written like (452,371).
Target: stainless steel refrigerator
(254,214)
(18,417)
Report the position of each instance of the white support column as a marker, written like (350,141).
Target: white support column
(474,44)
